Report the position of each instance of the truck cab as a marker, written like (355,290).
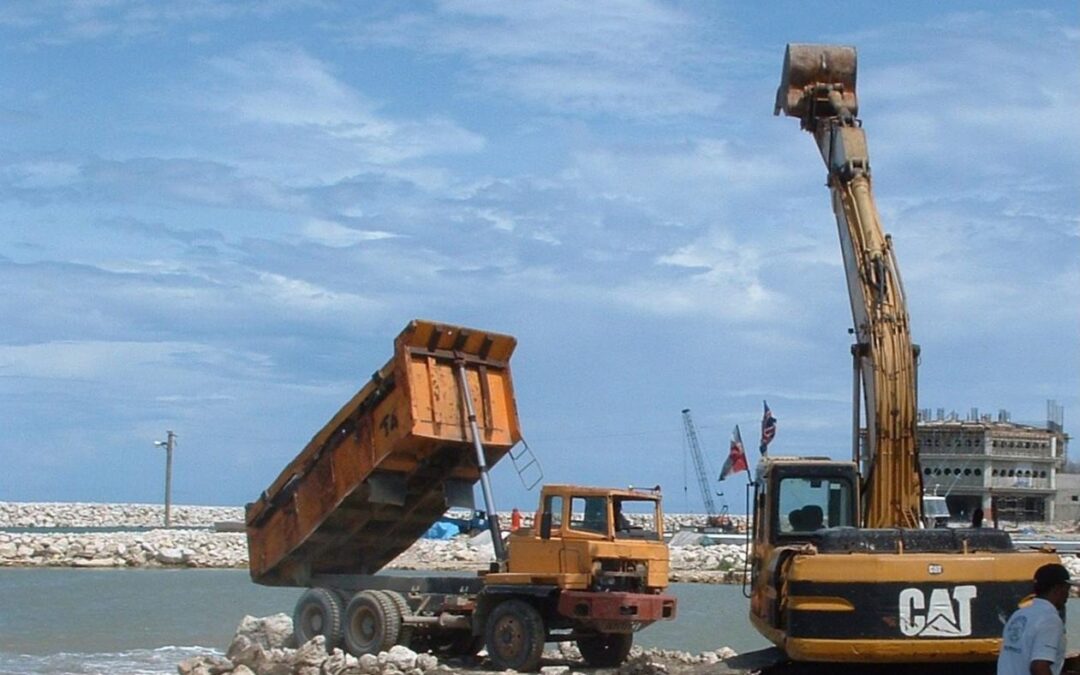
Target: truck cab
(589,538)
(593,568)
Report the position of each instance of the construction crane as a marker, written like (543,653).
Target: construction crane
(713,518)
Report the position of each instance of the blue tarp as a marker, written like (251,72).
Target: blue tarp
(442,529)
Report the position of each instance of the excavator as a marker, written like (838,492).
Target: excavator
(840,568)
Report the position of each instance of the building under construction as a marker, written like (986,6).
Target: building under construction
(1005,468)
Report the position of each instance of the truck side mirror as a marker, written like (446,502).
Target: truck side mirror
(545,525)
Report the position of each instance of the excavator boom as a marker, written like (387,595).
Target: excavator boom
(818,87)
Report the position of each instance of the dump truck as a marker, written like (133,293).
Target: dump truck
(413,442)
(841,568)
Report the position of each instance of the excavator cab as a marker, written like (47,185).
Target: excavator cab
(796,500)
(805,496)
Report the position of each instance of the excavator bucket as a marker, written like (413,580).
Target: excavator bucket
(809,71)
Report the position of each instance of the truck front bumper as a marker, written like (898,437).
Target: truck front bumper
(616,612)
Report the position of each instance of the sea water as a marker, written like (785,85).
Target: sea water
(128,621)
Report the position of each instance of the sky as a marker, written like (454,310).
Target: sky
(216,216)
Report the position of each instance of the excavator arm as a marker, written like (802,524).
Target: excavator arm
(818,87)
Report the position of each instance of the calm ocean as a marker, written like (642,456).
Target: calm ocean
(147,621)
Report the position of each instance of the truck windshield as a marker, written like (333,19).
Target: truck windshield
(589,514)
(636,518)
(809,504)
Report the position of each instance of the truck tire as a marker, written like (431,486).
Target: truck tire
(605,650)
(318,612)
(372,623)
(515,636)
(404,632)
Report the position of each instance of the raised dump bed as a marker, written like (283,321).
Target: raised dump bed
(390,462)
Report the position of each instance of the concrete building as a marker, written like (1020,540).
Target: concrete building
(994,464)
(1067,501)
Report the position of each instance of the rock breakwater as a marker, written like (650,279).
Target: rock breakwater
(154,548)
(203,548)
(184,546)
(197,548)
(98,515)
(87,514)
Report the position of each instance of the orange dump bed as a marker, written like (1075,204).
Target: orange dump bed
(390,462)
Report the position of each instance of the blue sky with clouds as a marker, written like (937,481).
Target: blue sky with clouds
(215,217)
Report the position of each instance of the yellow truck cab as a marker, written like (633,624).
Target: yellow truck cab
(589,538)
(592,568)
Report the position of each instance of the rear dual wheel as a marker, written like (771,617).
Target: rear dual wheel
(318,612)
(372,623)
(405,633)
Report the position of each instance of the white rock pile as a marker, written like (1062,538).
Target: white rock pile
(266,646)
(180,547)
(153,548)
(203,548)
(81,514)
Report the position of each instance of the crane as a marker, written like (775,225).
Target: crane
(713,518)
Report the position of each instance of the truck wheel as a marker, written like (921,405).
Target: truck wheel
(372,623)
(605,650)
(515,636)
(405,632)
(318,612)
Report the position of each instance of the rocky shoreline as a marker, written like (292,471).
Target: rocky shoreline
(267,646)
(207,549)
(52,543)
(88,514)
(99,515)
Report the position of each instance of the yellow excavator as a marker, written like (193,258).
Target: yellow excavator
(840,568)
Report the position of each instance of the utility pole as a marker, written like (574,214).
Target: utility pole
(168,444)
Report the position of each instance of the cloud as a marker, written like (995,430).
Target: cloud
(1007,269)
(50,23)
(292,294)
(41,174)
(94,360)
(968,89)
(294,106)
(140,301)
(626,59)
(146,180)
(330,233)
(720,278)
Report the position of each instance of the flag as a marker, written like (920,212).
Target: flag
(768,429)
(736,460)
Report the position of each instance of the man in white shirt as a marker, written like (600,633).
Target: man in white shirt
(1034,639)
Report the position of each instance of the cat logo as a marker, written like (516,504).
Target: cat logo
(948,613)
